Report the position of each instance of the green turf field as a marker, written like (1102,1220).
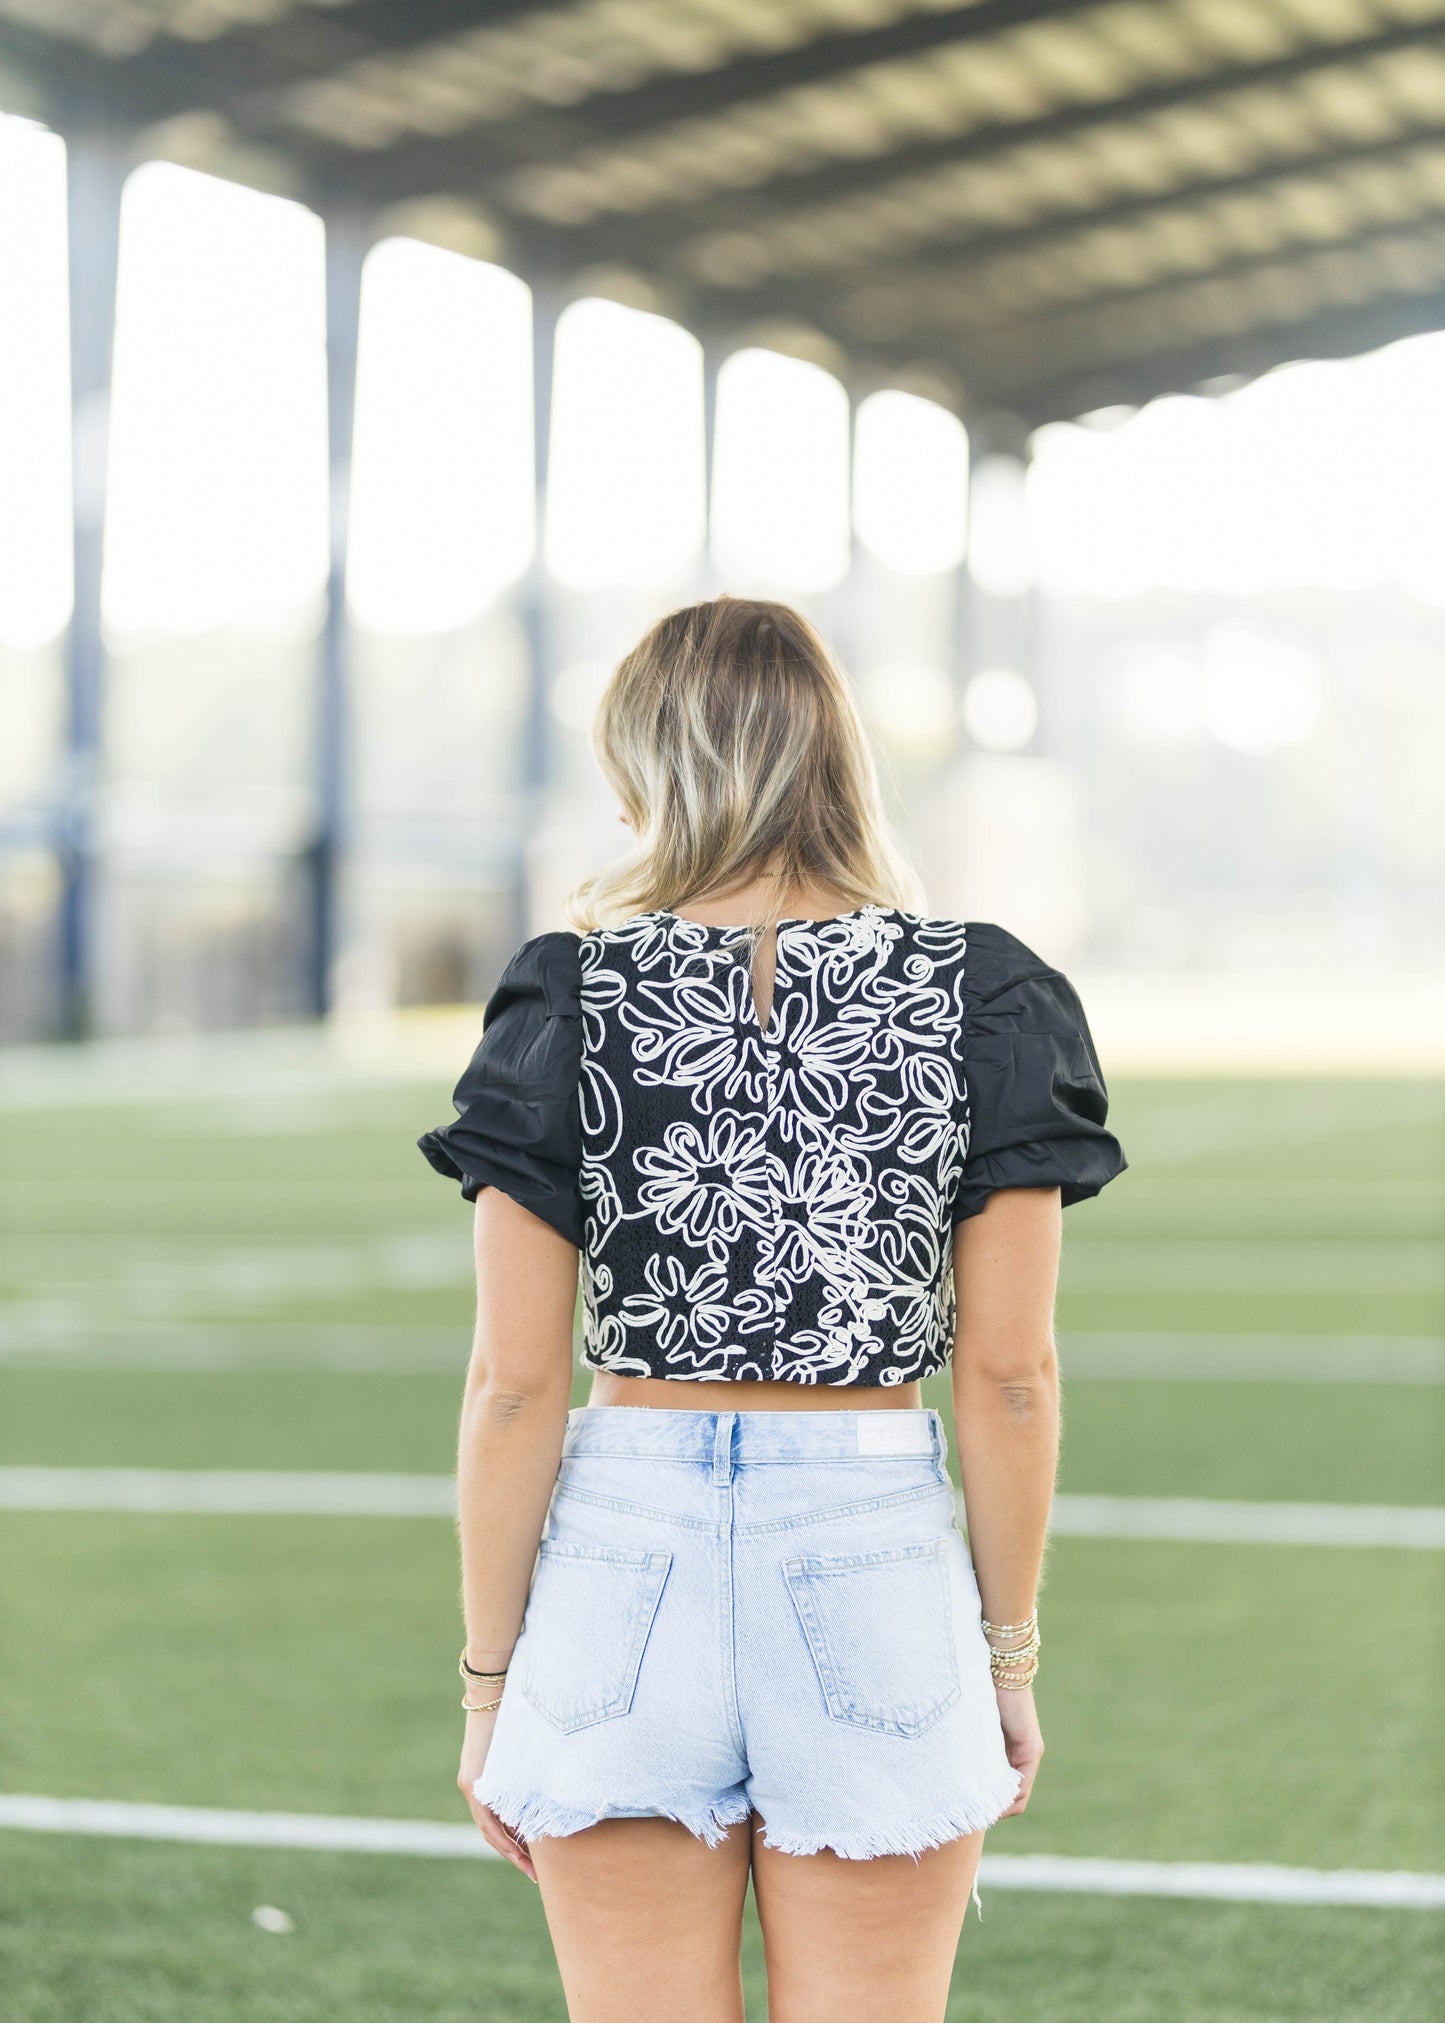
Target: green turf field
(272,1280)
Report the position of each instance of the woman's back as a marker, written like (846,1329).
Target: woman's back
(774,1198)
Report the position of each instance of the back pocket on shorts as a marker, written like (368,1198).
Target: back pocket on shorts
(880,1628)
(588,1616)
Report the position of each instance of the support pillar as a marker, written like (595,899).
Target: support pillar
(534,759)
(347,239)
(96,168)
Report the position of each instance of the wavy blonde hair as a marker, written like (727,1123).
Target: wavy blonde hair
(731,738)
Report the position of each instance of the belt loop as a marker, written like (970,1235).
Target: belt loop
(722,1447)
(940,1440)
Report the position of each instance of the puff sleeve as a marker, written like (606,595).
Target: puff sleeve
(518,1104)
(1037,1101)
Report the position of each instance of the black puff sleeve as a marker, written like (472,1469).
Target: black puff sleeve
(1037,1101)
(518,1104)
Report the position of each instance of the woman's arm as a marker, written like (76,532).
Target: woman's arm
(1007,1416)
(514,1415)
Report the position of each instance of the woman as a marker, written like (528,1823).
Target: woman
(807,1145)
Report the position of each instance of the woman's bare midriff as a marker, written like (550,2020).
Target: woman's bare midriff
(749,1395)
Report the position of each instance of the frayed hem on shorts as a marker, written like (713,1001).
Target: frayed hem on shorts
(914,1838)
(536,1818)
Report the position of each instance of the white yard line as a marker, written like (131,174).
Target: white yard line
(270,1493)
(227,1492)
(1252,1882)
(1235,1882)
(64,1334)
(1252,1358)
(1206,1519)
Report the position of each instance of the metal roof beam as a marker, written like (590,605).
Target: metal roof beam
(1130,381)
(1063,315)
(969,249)
(665,234)
(993,358)
(626,115)
(170,76)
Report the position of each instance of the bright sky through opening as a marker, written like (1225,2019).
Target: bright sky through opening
(780,478)
(443,502)
(625,469)
(218,494)
(910,483)
(35,541)
(1323,474)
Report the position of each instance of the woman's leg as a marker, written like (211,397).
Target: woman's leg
(646,1921)
(855,1941)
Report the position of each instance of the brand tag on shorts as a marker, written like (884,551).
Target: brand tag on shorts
(894,1433)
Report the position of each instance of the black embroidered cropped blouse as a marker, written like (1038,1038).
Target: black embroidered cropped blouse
(776,1201)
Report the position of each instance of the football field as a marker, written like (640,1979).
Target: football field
(254,1279)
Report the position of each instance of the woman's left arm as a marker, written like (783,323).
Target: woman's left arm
(514,1416)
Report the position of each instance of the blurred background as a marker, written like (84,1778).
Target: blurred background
(372,374)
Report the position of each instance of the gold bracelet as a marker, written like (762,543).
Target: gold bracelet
(1014,1685)
(1025,1628)
(490,1706)
(466,1672)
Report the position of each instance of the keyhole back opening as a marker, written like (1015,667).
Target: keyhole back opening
(764,978)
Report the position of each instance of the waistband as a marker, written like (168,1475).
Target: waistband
(722,1441)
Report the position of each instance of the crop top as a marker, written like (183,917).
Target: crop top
(776,1201)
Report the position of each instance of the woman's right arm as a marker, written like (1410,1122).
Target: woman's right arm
(513,1418)
(1007,1417)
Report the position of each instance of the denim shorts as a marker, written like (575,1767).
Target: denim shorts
(739,1612)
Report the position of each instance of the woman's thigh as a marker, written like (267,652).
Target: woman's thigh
(646,1920)
(855,1941)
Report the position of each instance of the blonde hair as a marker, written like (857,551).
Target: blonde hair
(731,738)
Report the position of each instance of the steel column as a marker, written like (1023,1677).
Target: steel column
(97,164)
(347,238)
(534,758)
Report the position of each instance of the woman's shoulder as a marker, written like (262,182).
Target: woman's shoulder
(998,955)
(1006,980)
(989,952)
(995,969)
(546,969)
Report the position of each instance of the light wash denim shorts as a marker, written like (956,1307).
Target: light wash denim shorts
(739,1612)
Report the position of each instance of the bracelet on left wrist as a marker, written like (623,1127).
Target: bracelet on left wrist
(470,1671)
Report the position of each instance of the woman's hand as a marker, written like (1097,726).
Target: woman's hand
(475,1744)
(1023,1739)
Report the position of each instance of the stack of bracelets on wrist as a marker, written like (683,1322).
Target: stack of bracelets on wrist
(1014,1665)
(493,1680)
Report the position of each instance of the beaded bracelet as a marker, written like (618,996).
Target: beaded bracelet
(1014,1666)
(1026,1628)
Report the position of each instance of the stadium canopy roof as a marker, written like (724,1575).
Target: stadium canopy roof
(1043,207)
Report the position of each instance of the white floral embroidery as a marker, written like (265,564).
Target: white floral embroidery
(772,1201)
